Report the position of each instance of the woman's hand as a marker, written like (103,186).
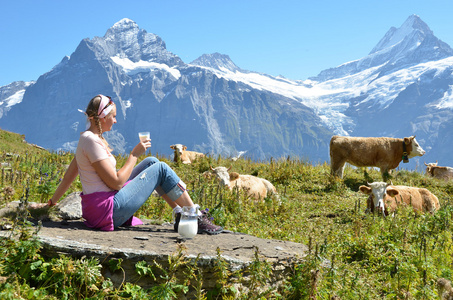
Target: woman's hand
(141,148)
(116,179)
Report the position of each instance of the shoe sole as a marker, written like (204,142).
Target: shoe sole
(210,233)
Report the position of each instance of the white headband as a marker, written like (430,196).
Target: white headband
(104,107)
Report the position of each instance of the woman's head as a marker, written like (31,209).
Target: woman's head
(99,107)
(101,112)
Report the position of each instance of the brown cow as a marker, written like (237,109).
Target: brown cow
(257,188)
(186,157)
(433,170)
(386,197)
(382,152)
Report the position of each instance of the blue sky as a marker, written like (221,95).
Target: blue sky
(296,39)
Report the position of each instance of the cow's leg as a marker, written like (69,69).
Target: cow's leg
(337,167)
(385,172)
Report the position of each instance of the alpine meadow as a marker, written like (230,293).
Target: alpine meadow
(256,124)
(353,254)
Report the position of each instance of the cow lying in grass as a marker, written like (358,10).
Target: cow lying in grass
(386,198)
(433,170)
(256,188)
(186,157)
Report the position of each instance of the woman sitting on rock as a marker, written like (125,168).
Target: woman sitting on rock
(110,197)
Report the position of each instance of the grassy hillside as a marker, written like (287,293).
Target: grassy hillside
(15,143)
(353,254)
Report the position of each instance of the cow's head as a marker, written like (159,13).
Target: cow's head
(222,174)
(179,148)
(414,148)
(430,168)
(377,192)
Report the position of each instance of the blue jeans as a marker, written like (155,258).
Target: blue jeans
(149,175)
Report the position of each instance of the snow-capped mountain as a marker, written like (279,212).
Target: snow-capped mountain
(412,43)
(402,88)
(12,94)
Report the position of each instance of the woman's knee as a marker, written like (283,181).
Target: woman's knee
(167,171)
(163,166)
(151,160)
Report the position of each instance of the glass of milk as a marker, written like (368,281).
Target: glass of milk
(144,135)
(188,224)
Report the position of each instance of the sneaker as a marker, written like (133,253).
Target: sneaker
(205,225)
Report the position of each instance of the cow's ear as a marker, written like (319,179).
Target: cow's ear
(234,175)
(184,148)
(407,140)
(392,192)
(172,147)
(365,189)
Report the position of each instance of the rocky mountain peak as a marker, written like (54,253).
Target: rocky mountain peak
(408,45)
(126,39)
(124,24)
(125,31)
(216,61)
(413,31)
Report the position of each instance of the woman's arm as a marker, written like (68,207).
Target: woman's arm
(116,179)
(68,178)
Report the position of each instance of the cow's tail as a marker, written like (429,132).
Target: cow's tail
(332,171)
(330,146)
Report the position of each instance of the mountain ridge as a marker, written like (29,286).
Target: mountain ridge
(214,106)
(398,48)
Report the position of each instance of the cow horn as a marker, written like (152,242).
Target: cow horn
(425,164)
(212,169)
(229,168)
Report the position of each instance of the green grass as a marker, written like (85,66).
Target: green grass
(353,255)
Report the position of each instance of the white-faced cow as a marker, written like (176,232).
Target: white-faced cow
(433,170)
(186,157)
(256,188)
(382,152)
(386,198)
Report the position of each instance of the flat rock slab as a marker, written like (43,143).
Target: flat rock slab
(156,243)
(159,240)
(72,236)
